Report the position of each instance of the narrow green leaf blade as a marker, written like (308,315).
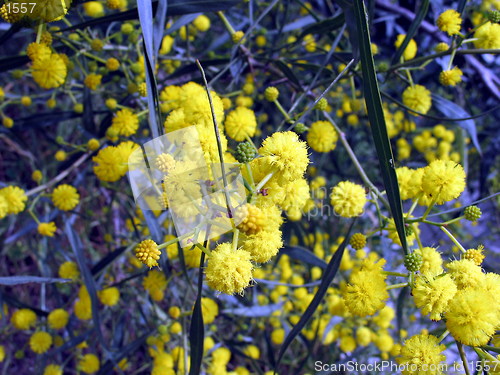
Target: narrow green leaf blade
(328,275)
(197,329)
(304,255)
(377,121)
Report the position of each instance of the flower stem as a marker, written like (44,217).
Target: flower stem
(453,239)
(396,286)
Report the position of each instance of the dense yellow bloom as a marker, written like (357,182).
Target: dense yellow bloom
(348,199)
(112,161)
(263,245)
(15,198)
(432,261)
(443,180)
(53,370)
(229,271)
(488,36)
(366,292)
(89,363)
(417,98)
(148,253)
(253,219)
(125,122)
(23,319)
(92,81)
(47,229)
(475,255)
(296,194)
(112,64)
(408,186)
(210,310)
(411,49)
(432,294)
(240,124)
(109,296)
(202,23)
(69,270)
(449,21)
(471,317)
(65,197)
(49,72)
(38,51)
(465,273)
(451,77)
(155,283)
(58,319)
(285,155)
(422,352)
(40,342)
(322,136)
(93,9)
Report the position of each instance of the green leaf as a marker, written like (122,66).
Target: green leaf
(304,255)
(197,329)
(412,30)
(328,275)
(377,121)
(18,280)
(324,26)
(281,65)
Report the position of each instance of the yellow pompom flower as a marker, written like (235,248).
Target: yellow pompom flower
(65,197)
(229,271)
(443,180)
(210,310)
(432,294)
(23,319)
(240,124)
(348,199)
(47,229)
(475,255)
(432,261)
(488,36)
(417,98)
(109,296)
(322,136)
(365,293)
(408,187)
(69,270)
(93,9)
(40,342)
(285,155)
(92,81)
(3,207)
(296,195)
(263,246)
(112,64)
(125,122)
(465,273)
(38,51)
(53,369)
(93,144)
(202,23)
(58,319)
(237,36)
(449,21)
(253,219)
(15,198)
(110,165)
(422,352)
(470,318)
(155,283)
(148,253)
(451,77)
(441,47)
(411,48)
(89,363)
(49,72)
